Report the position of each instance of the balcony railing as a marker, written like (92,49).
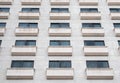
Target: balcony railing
(59,2)
(6,2)
(99,73)
(20,73)
(60,73)
(113,2)
(60,51)
(26,31)
(24,50)
(2,31)
(31,2)
(95,50)
(60,32)
(88,2)
(4,15)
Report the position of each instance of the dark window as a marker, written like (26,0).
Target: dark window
(59,43)
(93,43)
(114,10)
(22,64)
(0,42)
(4,9)
(32,10)
(60,25)
(97,64)
(59,64)
(91,25)
(116,25)
(119,42)
(28,25)
(84,10)
(59,10)
(2,25)
(25,43)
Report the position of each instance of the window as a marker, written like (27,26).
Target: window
(2,25)
(85,10)
(0,42)
(93,43)
(97,64)
(116,25)
(119,42)
(4,9)
(91,25)
(59,64)
(28,25)
(59,43)
(32,10)
(22,64)
(60,25)
(25,43)
(59,10)
(114,10)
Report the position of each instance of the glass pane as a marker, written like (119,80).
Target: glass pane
(2,25)
(59,43)
(65,64)
(54,64)
(54,25)
(32,10)
(4,9)
(30,43)
(28,64)
(20,43)
(116,25)
(94,43)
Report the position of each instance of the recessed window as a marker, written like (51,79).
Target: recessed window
(25,43)
(91,25)
(2,25)
(94,43)
(59,43)
(89,10)
(116,25)
(28,25)
(60,25)
(4,9)
(59,10)
(59,64)
(119,42)
(32,10)
(115,10)
(97,64)
(0,42)
(22,64)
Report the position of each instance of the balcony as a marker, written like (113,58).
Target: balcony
(99,73)
(115,16)
(60,32)
(95,50)
(88,2)
(113,2)
(20,73)
(29,16)
(59,16)
(90,16)
(26,31)
(60,51)
(117,32)
(2,31)
(60,2)
(31,2)
(90,32)
(60,73)
(4,15)
(6,2)
(24,50)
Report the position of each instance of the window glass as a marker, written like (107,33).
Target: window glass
(4,9)
(59,64)
(59,10)
(116,25)
(33,10)
(22,64)
(28,25)
(25,43)
(93,43)
(60,25)
(2,25)
(114,10)
(88,10)
(91,25)
(59,43)
(97,64)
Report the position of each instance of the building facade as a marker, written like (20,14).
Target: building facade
(69,41)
